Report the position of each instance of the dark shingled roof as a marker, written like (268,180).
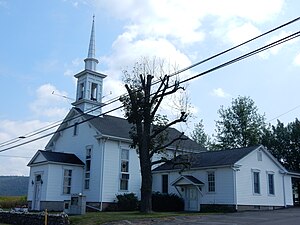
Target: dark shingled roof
(119,127)
(193,179)
(60,157)
(208,159)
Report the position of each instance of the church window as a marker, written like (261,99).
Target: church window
(75,130)
(124,170)
(211,181)
(81,91)
(256,182)
(67,181)
(94,92)
(87,167)
(165,183)
(271,186)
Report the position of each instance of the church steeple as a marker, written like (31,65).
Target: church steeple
(91,62)
(90,82)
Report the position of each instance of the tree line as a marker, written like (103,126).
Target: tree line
(241,125)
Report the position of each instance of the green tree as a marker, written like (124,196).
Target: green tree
(199,135)
(240,125)
(149,130)
(284,143)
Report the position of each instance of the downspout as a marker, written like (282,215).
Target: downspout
(283,183)
(234,189)
(102,172)
(234,170)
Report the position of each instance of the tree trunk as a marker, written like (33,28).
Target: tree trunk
(146,189)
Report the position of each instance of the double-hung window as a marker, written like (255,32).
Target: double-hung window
(165,183)
(124,170)
(67,181)
(256,182)
(211,180)
(271,188)
(88,159)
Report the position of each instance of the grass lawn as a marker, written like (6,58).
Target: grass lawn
(103,217)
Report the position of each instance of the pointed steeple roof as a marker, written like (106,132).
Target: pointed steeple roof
(91,62)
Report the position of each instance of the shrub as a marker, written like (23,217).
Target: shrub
(127,202)
(166,202)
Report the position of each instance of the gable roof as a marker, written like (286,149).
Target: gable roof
(208,159)
(56,157)
(119,128)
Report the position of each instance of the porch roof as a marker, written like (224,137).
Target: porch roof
(55,157)
(187,180)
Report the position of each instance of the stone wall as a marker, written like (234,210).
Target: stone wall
(33,218)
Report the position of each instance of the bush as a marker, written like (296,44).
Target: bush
(127,202)
(166,202)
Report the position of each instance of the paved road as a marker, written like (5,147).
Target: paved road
(289,216)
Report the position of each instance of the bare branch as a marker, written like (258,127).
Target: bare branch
(168,144)
(181,119)
(162,160)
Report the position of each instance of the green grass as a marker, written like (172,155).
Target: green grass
(103,217)
(7,202)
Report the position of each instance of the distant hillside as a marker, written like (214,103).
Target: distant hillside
(13,185)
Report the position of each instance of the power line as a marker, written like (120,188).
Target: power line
(298,106)
(237,46)
(55,124)
(261,49)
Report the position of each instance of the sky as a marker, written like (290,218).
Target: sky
(43,44)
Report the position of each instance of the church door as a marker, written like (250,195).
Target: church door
(191,202)
(37,193)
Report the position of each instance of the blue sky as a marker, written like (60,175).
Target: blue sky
(43,44)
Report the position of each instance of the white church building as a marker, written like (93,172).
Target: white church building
(89,155)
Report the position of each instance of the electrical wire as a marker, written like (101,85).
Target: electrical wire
(249,54)
(55,124)
(298,106)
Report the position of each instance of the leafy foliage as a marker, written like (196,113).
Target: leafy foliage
(199,135)
(284,143)
(167,202)
(127,202)
(240,125)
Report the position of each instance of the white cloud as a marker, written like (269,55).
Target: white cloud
(181,21)
(219,92)
(275,50)
(241,33)
(50,102)
(73,67)
(11,130)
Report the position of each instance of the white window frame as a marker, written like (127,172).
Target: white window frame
(67,186)
(88,161)
(256,171)
(124,175)
(81,90)
(211,184)
(271,173)
(94,91)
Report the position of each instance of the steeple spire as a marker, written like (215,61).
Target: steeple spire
(91,62)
